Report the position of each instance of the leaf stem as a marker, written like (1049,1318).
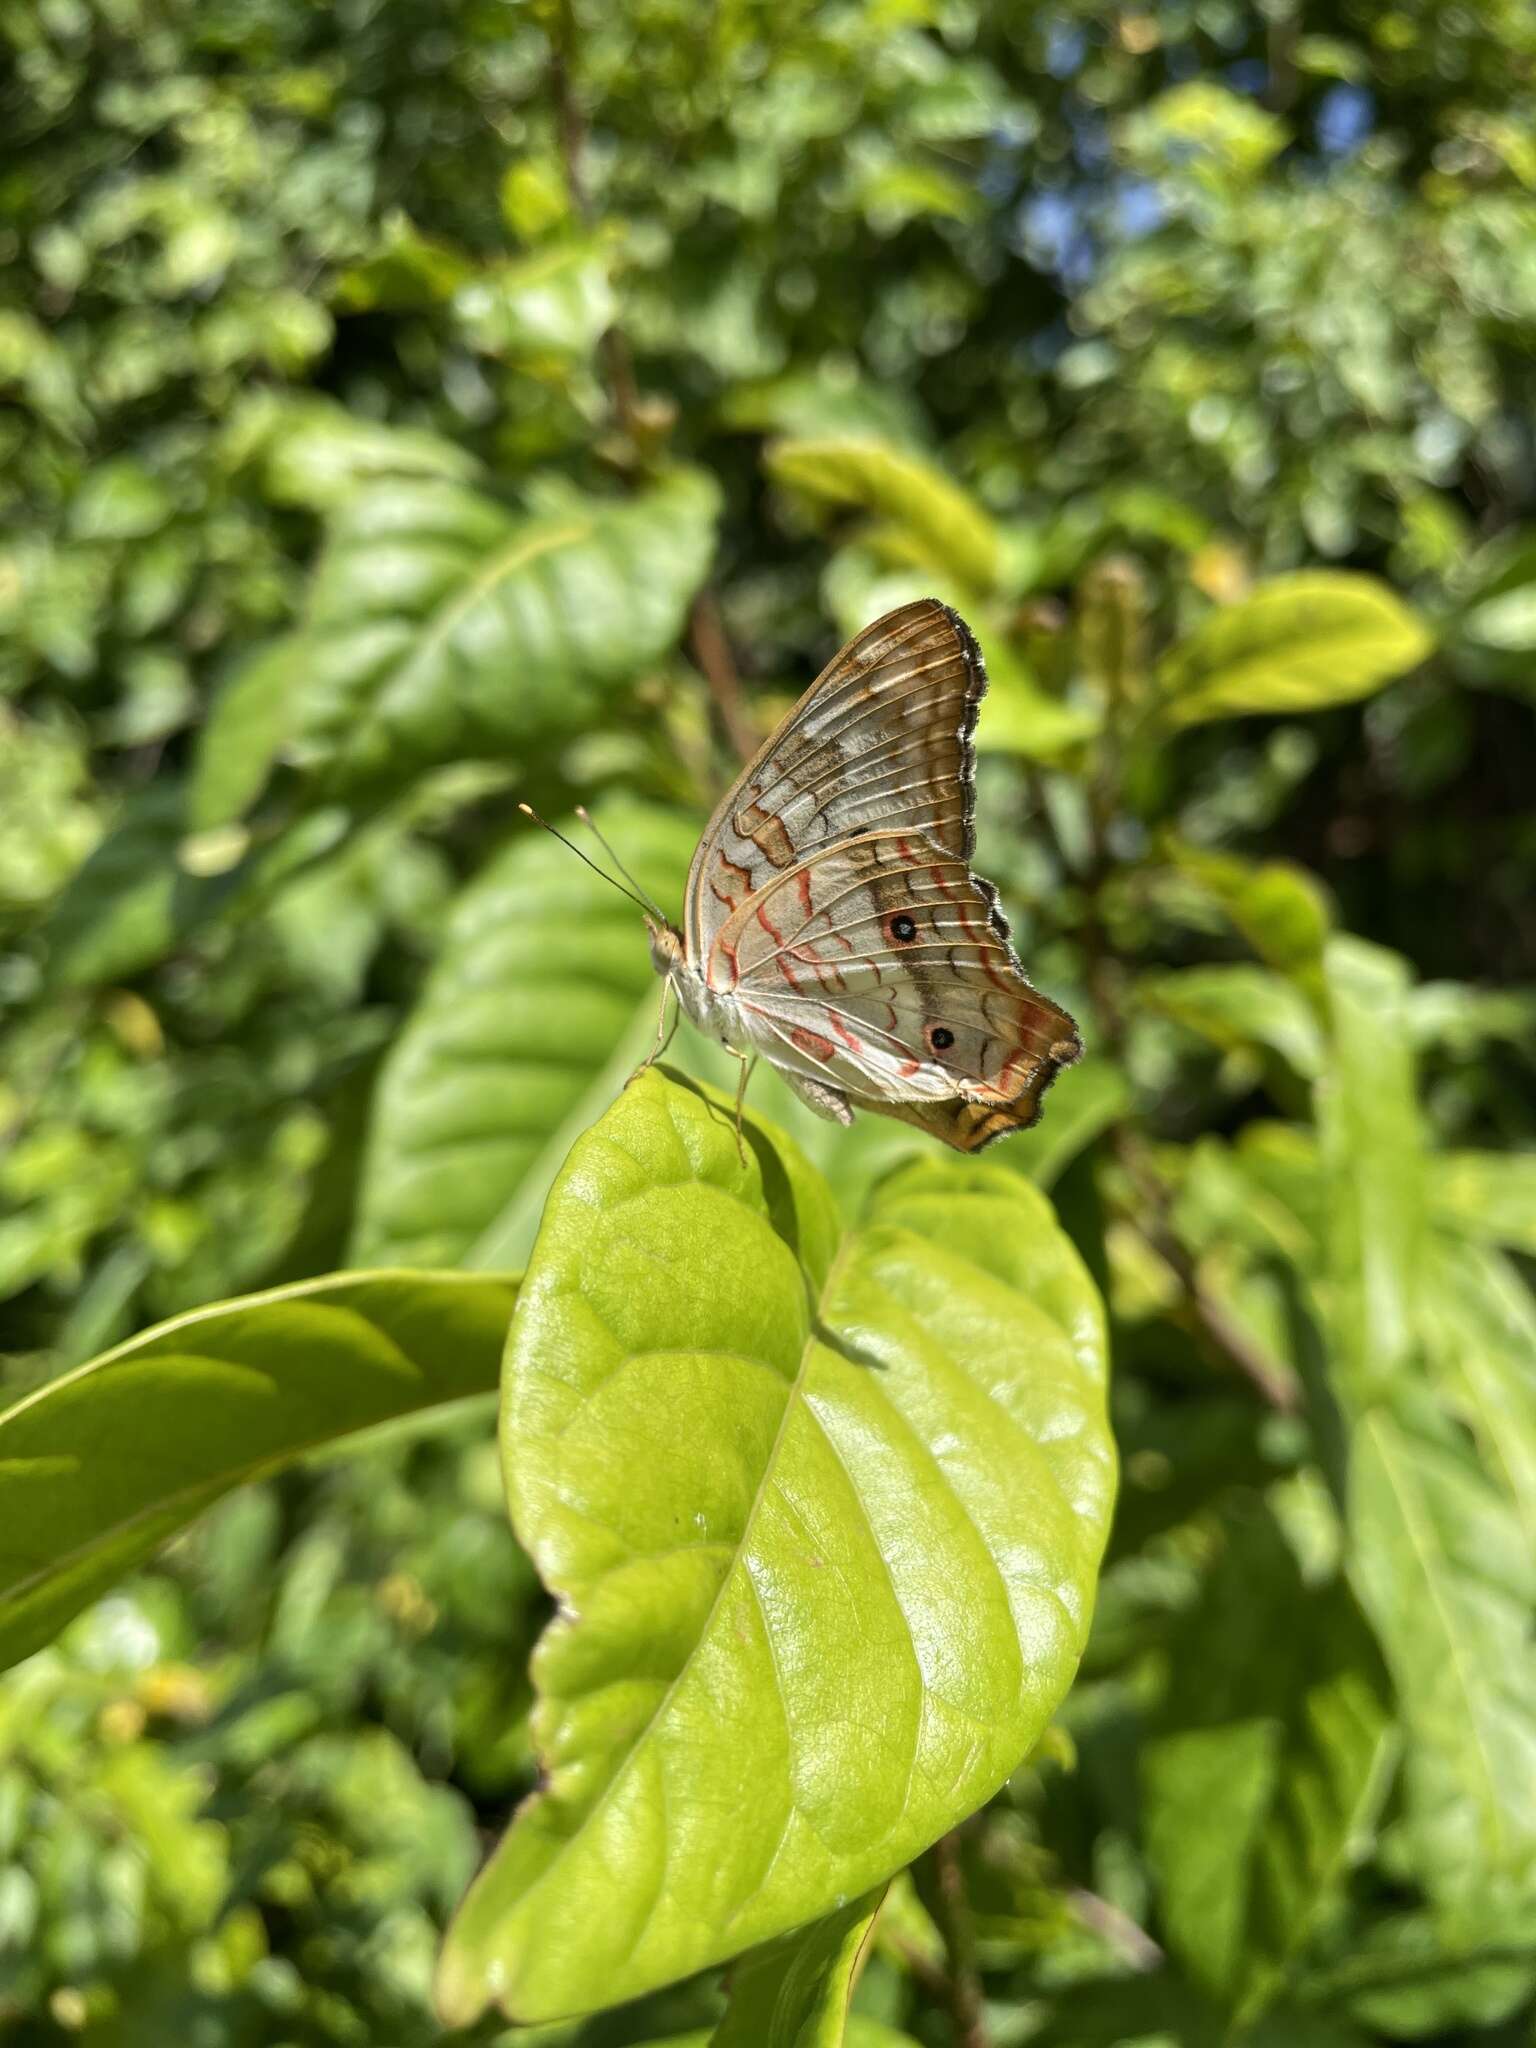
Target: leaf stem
(952,1916)
(712,652)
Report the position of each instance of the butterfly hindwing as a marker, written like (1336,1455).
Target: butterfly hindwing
(881,967)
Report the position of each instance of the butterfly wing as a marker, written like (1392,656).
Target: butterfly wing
(831,897)
(881,740)
(882,969)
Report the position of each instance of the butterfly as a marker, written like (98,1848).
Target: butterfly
(831,921)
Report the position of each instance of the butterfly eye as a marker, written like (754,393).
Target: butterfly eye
(902,927)
(940,1037)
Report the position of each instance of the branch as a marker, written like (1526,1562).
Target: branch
(1251,1360)
(952,1916)
(712,651)
(571,129)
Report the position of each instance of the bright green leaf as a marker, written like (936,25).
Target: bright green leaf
(98,1468)
(129,902)
(316,455)
(955,532)
(1298,643)
(823,1513)
(442,625)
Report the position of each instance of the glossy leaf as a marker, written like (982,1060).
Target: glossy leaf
(442,625)
(1297,644)
(98,1468)
(823,1512)
(794,1992)
(954,531)
(544,977)
(1266,1768)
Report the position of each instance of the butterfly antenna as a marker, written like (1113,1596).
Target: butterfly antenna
(587,819)
(529,812)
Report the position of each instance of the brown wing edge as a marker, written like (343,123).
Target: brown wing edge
(970,712)
(970,1126)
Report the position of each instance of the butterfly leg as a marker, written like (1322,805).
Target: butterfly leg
(664,1037)
(747,1060)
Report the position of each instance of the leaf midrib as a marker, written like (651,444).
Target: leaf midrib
(792,1394)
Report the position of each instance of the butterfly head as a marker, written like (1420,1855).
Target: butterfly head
(666,945)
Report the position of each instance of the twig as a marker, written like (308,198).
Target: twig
(1229,1336)
(1118,1929)
(953,1919)
(571,129)
(1103,980)
(712,651)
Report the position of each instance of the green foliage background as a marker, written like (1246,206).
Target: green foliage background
(408,408)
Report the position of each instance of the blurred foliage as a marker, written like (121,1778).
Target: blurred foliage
(405,406)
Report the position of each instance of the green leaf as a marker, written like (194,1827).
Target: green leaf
(1240,1005)
(1447,1575)
(1487,1195)
(315,454)
(823,1513)
(1402,1978)
(543,976)
(953,530)
(248,723)
(1267,1766)
(794,1992)
(443,626)
(557,303)
(119,500)
(1373,1159)
(1280,909)
(1084,1101)
(1479,1324)
(129,902)
(1298,643)
(98,1468)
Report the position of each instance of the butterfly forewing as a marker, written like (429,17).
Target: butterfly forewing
(882,739)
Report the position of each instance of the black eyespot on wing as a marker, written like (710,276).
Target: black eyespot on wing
(900,928)
(940,1037)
